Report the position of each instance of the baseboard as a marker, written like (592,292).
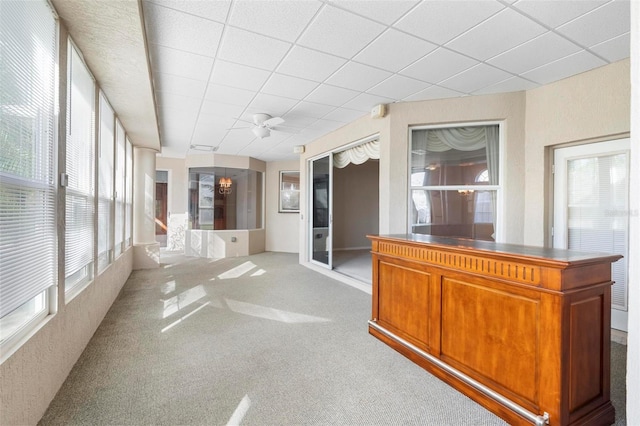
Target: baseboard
(619,336)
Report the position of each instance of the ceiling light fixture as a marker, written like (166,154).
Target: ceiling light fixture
(225,184)
(261,132)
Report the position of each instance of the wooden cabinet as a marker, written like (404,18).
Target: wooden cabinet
(524,331)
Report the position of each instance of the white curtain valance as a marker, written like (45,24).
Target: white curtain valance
(460,138)
(357,155)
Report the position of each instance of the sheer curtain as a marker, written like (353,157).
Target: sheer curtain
(357,155)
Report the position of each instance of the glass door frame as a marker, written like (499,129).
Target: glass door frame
(311,213)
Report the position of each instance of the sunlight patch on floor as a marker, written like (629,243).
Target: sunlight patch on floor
(240,412)
(170,326)
(271,313)
(184,299)
(168,287)
(258,273)
(237,271)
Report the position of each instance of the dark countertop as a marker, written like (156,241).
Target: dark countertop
(548,254)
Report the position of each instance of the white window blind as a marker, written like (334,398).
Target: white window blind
(80,162)
(28,264)
(129,194)
(105,184)
(120,194)
(597,196)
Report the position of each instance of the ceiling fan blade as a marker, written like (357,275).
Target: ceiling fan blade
(285,130)
(238,128)
(273,121)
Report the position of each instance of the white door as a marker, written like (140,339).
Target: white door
(591,209)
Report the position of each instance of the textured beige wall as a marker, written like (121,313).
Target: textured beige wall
(31,377)
(589,107)
(178,182)
(282,229)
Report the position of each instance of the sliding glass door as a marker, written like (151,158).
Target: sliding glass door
(321,201)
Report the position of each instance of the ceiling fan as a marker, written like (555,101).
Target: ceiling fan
(263,124)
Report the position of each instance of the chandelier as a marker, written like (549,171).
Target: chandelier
(225,186)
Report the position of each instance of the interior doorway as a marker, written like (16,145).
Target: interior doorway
(161,210)
(344,208)
(591,209)
(356,215)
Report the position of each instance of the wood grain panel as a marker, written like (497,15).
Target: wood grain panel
(403,301)
(492,333)
(585,347)
(511,270)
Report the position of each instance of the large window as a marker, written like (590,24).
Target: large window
(80,163)
(129,194)
(454,181)
(225,198)
(28,242)
(105,184)
(120,189)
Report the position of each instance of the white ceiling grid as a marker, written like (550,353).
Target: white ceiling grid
(323,63)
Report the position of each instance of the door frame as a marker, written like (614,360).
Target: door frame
(619,318)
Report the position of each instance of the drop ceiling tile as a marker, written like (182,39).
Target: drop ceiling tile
(179,85)
(497,34)
(534,53)
(394,50)
(599,25)
(615,49)
(438,65)
(565,67)
(385,11)
(398,87)
(229,95)
(273,105)
(284,20)
(210,130)
(310,109)
(220,109)
(214,10)
(296,120)
(366,101)
(251,49)
(441,21)
(553,12)
(475,78)
(288,87)
(513,84)
(339,33)
(326,125)
(309,64)
(179,30)
(180,63)
(344,115)
(331,95)
(183,103)
(240,76)
(357,76)
(433,92)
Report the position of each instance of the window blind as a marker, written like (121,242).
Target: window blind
(105,184)
(80,162)
(119,195)
(27,156)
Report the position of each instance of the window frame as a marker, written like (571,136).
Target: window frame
(12,342)
(499,188)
